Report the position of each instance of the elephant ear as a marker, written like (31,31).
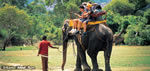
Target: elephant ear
(66,23)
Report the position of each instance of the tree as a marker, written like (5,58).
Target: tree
(145,33)
(36,7)
(110,21)
(147,1)
(123,7)
(78,2)
(19,3)
(147,15)
(132,16)
(139,4)
(49,2)
(13,21)
(136,31)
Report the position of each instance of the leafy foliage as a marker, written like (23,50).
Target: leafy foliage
(31,21)
(13,23)
(122,7)
(131,15)
(135,31)
(19,3)
(13,20)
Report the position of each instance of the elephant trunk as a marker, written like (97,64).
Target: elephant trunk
(64,54)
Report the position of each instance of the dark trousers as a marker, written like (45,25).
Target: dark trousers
(44,63)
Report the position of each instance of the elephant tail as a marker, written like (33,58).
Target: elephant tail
(116,36)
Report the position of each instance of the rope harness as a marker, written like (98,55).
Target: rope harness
(80,41)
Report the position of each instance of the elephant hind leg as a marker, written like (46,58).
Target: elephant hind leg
(107,54)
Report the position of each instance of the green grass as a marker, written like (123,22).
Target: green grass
(124,58)
(18,48)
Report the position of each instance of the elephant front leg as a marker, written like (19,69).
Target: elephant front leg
(82,56)
(78,64)
(93,56)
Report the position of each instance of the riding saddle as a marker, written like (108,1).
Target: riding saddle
(89,23)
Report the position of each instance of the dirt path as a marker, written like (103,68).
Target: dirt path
(16,64)
(10,64)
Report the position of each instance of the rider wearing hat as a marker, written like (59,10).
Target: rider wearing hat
(89,17)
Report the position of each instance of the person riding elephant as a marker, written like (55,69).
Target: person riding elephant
(79,21)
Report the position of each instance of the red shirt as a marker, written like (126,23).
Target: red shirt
(44,47)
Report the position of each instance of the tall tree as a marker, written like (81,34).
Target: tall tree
(13,21)
(122,7)
(19,3)
(139,4)
(36,7)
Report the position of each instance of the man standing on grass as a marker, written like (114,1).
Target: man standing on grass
(43,51)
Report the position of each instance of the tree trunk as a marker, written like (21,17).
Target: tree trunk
(4,45)
(0,48)
(31,41)
(62,2)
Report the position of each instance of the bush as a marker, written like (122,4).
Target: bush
(137,33)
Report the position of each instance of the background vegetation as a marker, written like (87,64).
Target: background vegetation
(25,22)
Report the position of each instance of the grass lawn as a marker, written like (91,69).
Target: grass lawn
(124,58)
(18,48)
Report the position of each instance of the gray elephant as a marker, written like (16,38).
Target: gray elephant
(99,38)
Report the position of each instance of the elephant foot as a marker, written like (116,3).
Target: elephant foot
(87,69)
(108,70)
(77,69)
(97,70)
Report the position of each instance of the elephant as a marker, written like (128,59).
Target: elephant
(99,38)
